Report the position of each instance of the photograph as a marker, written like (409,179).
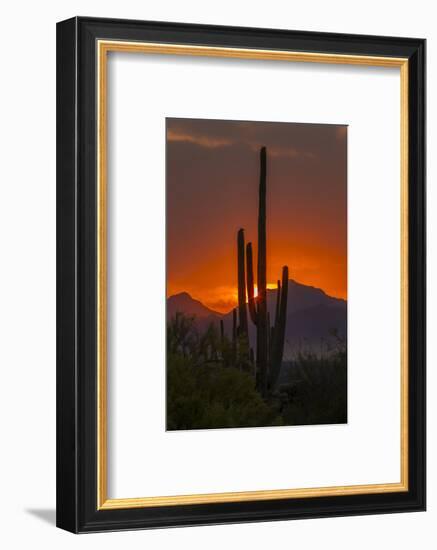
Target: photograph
(256,233)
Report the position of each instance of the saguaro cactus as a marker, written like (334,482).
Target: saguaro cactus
(269,341)
(261,323)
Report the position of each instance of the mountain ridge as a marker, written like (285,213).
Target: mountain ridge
(312,315)
(186,296)
(188,305)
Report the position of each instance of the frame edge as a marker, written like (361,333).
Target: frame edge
(66,294)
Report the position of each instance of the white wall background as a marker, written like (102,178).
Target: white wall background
(366,450)
(27,273)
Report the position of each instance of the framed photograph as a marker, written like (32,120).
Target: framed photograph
(241,274)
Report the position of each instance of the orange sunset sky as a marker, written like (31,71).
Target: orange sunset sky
(212,173)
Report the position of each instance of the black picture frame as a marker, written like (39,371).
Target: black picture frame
(77,478)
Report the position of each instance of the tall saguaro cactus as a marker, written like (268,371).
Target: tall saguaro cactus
(269,341)
(261,323)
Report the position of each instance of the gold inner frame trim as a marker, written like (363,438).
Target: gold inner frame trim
(103,48)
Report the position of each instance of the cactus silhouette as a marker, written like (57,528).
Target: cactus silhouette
(261,322)
(234,335)
(250,284)
(278,331)
(269,340)
(242,310)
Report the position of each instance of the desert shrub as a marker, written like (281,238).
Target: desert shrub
(213,396)
(211,382)
(317,389)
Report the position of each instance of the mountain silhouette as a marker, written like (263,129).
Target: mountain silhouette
(184,303)
(312,316)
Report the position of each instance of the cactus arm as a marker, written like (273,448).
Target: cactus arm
(250,284)
(283,312)
(279,340)
(278,301)
(273,330)
(234,335)
(242,311)
(269,338)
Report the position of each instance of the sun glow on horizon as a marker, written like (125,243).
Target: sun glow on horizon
(233,297)
(269,286)
(224,299)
